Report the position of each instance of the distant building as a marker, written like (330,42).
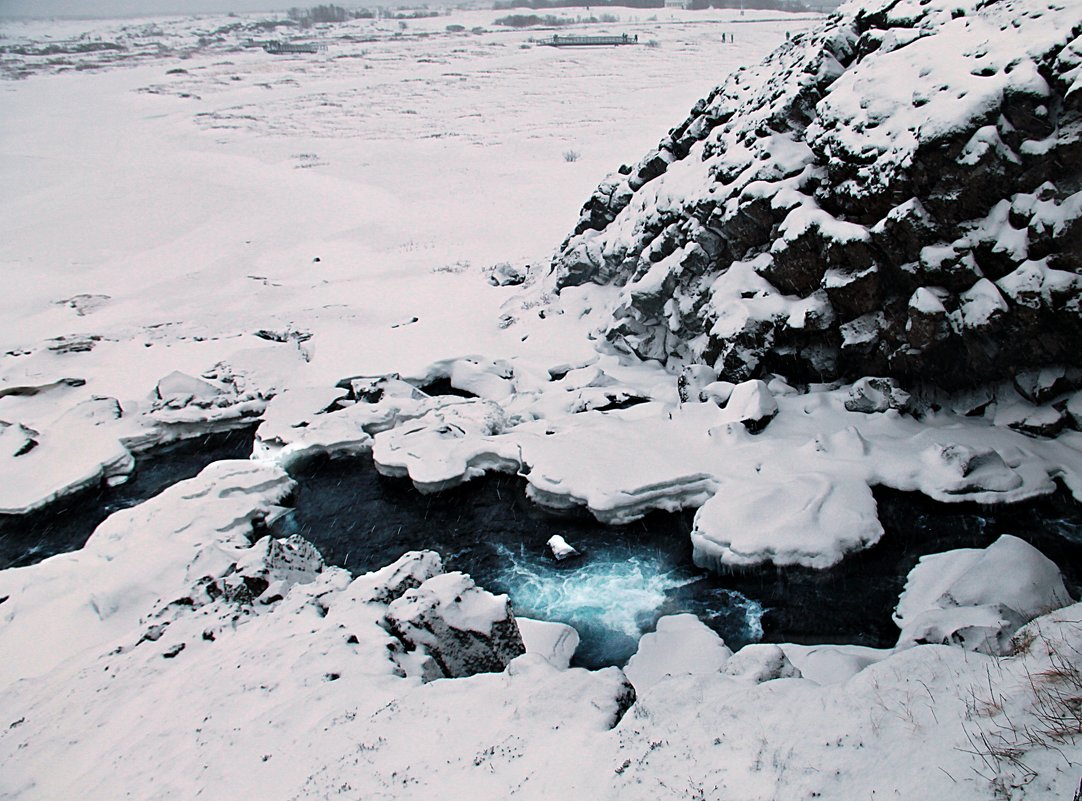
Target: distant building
(677,3)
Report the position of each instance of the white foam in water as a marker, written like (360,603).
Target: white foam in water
(621,595)
(753,618)
(611,598)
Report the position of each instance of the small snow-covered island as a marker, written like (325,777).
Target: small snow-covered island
(346,453)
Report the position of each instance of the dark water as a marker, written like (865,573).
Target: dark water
(67,524)
(631,575)
(627,577)
(852,602)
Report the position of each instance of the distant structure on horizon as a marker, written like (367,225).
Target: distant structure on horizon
(284,48)
(683,4)
(590,41)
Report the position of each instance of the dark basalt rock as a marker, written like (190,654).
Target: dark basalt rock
(850,192)
(461,628)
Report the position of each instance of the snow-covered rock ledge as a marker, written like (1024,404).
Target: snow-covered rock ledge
(792,486)
(58,438)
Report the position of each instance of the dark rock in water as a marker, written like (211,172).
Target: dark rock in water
(865,206)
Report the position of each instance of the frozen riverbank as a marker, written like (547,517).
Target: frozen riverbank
(335,244)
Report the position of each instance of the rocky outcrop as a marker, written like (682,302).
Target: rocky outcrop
(894,194)
(462,629)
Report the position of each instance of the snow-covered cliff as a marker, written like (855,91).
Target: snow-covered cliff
(894,193)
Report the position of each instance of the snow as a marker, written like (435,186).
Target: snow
(961,596)
(560,548)
(135,559)
(797,518)
(300,696)
(556,642)
(306,243)
(681,644)
(77,449)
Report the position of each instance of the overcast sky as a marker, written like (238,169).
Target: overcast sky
(110,8)
(114,8)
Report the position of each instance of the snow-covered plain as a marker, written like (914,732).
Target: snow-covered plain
(193,243)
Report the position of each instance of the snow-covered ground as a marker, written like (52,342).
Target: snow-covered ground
(164,218)
(201,235)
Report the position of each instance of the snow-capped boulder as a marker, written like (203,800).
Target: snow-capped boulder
(718,391)
(371,389)
(557,642)
(448,441)
(463,629)
(16,440)
(1073,407)
(1037,421)
(794,518)
(183,387)
(485,378)
(681,645)
(560,549)
(871,395)
(759,662)
(505,274)
(294,409)
(270,567)
(892,194)
(80,449)
(389,583)
(752,404)
(956,469)
(1040,386)
(832,664)
(693,381)
(978,598)
(183,406)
